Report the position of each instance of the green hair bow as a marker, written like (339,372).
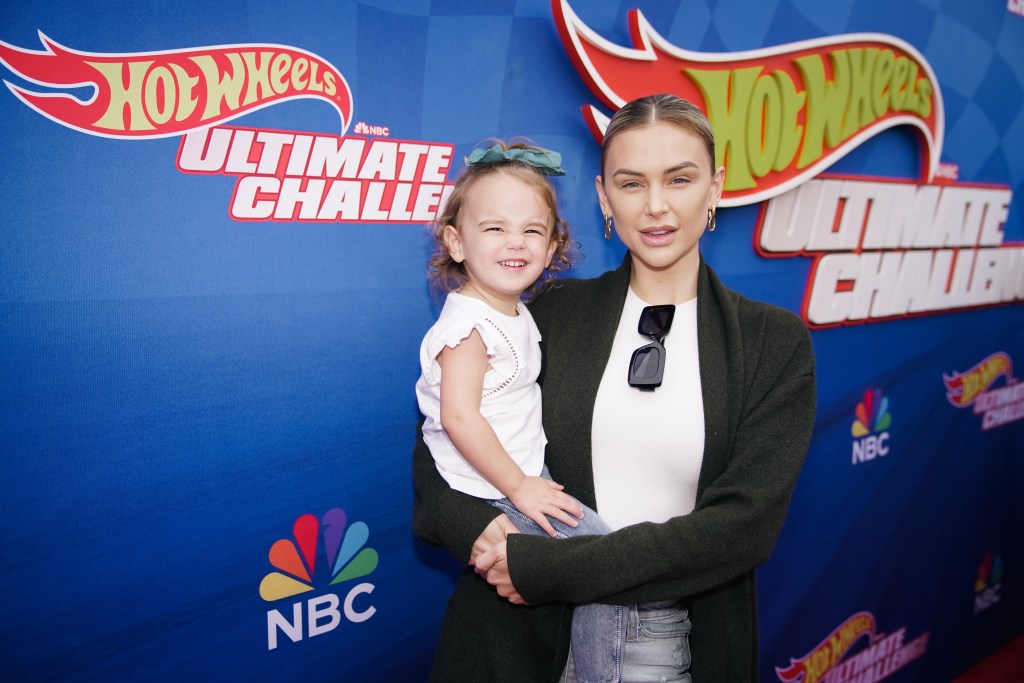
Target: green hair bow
(544,160)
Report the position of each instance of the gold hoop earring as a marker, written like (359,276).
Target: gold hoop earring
(608,226)
(711,219)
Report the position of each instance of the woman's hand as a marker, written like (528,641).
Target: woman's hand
(492,535)
(493,565)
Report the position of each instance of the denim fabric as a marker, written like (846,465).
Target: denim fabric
(657,646)
(598,631)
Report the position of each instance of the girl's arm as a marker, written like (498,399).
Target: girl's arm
(443,516)
(462,379)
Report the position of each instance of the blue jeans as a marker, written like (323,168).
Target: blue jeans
(598,631)
(657,647)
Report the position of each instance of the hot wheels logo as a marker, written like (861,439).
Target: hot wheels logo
(816,663)
(832,660)
(975,387)
(160,94)
(782,114)
(962,388)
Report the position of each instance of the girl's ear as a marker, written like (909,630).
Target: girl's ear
(454,244)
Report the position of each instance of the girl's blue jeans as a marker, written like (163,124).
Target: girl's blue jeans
(598,630)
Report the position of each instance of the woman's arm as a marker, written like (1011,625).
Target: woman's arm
(738,516)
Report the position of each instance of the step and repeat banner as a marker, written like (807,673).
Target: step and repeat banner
(212,293)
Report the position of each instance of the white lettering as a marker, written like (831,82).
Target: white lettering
(987,598)
(870,447)
(286,176)
(350,612)
(292,629)
(204,150)
(324,606)
(246,205)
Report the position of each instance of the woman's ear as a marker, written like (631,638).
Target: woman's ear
(454,244)
(717,185)
(602,198)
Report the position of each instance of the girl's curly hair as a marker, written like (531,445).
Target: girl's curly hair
(445,274)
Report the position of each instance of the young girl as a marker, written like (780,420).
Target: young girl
(497,240)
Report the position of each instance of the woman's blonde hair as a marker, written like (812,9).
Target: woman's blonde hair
(646,111)
(444,273)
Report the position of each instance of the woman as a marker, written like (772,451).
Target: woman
(695,473)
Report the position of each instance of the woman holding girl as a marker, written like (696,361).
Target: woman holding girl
(677,408)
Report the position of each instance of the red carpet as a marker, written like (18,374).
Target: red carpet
(1005,666)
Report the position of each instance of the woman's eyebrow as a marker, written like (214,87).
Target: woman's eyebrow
(673,169)
(680,167)
(627,171)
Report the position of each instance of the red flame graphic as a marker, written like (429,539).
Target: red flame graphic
(159,94)
(617,74)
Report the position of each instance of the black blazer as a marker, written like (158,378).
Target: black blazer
(757,377)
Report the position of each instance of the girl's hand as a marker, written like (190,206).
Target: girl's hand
(494,534)
(493,565)
(537,497)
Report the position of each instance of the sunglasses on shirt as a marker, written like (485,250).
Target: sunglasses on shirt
(647,366)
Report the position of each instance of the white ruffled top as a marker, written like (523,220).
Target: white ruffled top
(511,397)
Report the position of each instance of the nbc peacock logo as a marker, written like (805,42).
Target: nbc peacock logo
(295,559)
(989,583)
(870,428)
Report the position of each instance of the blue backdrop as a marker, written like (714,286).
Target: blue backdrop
(184,390)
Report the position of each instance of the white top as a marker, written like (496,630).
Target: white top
(511,396)
(648,445)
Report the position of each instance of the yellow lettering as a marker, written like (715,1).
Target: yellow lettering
(899,88)
(221,88)
(727,95)
(826,105)
(299,69)
(280,65)
(970,387)
(258,76)
(314,84)
(816,665)
(790,132)
(122,96)
(860,111)
(160,94)
(764,117)
(186,84)
(924,100)
(882,80)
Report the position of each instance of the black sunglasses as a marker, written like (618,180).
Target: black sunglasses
(647,366)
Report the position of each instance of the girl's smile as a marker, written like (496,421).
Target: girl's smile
(504,241)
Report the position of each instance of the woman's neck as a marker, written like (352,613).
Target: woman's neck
(670,286)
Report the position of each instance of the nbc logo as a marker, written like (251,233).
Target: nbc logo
(347,559)
(989,583)
(363,129)
(870,438)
